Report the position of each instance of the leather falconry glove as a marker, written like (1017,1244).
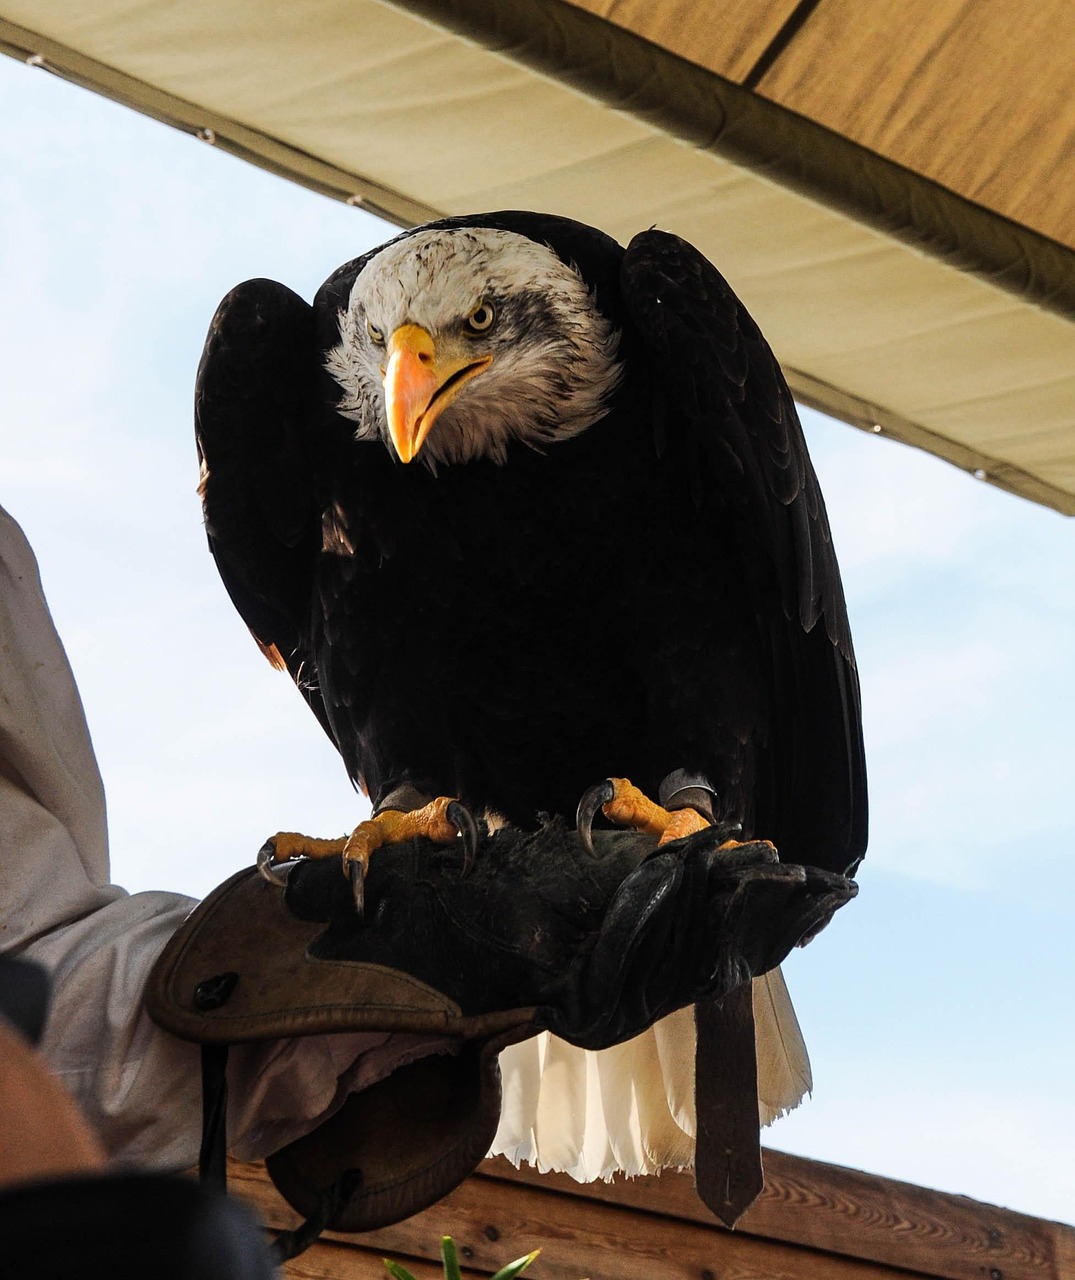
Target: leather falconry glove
(538,936)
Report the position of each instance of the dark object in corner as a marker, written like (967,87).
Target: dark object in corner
(129,1226)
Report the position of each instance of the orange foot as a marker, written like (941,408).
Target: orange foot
(442,820)
(625,805)
(622,803)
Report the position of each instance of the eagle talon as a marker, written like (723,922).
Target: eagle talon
(464,823)
(598,795)
(356,873)
(267,866)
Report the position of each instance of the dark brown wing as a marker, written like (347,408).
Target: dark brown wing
(728,425)
(253,422)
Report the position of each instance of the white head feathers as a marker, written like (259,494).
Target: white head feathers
(553,353)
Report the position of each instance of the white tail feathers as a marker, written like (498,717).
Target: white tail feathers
(784,1077)
(631,1108)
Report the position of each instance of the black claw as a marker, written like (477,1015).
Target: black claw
(593,799)
(356,873)
(463,819)
(266,864)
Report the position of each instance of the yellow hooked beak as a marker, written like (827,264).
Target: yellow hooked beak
(419,386)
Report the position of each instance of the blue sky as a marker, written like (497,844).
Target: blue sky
(938,1007)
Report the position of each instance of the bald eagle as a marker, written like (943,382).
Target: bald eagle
(521,510)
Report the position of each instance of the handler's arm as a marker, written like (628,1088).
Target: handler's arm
(138,1086)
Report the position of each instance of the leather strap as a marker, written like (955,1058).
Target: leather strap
(727,1161)
(213,1155)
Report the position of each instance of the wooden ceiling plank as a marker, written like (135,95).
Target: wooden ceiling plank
(728,39)
(979,97)
(776,47)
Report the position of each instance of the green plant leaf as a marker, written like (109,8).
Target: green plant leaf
(515,1268)
(450,1259)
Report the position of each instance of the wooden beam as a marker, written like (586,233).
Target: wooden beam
(493,1221)
(330,1261)
(843,1211)
(813,1221)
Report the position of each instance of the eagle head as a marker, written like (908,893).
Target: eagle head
(457,341)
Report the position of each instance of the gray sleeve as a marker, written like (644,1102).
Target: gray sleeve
(139,1087)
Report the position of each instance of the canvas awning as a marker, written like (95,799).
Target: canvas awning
(888,187)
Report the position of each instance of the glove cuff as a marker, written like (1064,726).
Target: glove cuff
(239,969)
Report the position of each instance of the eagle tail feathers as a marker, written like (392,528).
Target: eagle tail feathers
(630,1108)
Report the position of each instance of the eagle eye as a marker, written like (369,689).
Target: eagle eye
(482,317)
(375,334)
